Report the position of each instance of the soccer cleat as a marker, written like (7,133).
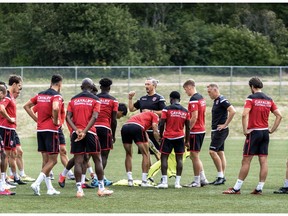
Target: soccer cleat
(92,175)
(218,181)
(87,179)
(204,182)
(162,186)
(19,181)
(231,191)
(26,178)
(36,189)
(107,182)
(80,194)
(10,182)
(87,186)
(105,192)
(146,184)
(282,190)
(61,180)
(7,186)
(51,176)
(256,192)
(7,192)
(130,182)
(178,186)
(94,182)
(193,184)
(53,192)
(70,176)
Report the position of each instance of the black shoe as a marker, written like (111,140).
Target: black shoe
(282,190)
(87,186)
(218,181)
(19,181)
(87,179)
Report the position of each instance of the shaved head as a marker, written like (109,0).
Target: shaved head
(87,84)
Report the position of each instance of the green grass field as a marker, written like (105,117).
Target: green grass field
(149,200)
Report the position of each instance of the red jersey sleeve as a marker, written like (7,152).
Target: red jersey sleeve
(34,99)
(193,106)
(155,118)
(5,101)
(188,116)
(69,108)
(248,103)
(115,105)
(273,107)
(164,114)
(97,106)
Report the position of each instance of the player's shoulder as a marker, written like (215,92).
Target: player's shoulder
(160,97)
(176,107)
(196,97)
(106,96)
(49,91)
(259,95)
(222,99)
(86,94)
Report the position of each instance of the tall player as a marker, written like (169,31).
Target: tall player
(106,123)
(173,120)
(197,110)
(8,125)
(49,103)
(3,189)
(82,112)
(255,118)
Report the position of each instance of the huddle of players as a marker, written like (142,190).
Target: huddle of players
(175,117)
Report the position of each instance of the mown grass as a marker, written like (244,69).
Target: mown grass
(149,200)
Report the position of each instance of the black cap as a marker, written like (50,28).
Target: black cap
(175,95)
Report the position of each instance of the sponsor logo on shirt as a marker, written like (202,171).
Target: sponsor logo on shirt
(263,103)
(178,114)
(83,101)
(44,98)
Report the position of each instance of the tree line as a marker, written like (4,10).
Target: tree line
(106,34)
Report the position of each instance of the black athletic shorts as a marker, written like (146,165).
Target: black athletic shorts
(17,140)
(105,138)
(48,142)
(218,139)
(167,145)
(196,141)
(256,143)
(8,137)
(89,145)
(133,132)
(61,137)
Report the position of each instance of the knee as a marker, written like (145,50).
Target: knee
(63,151)
(212,153)
(19,152)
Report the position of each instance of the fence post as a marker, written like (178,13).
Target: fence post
(22,73)
(280,82)
(180,73)
(129,77)
(76,78)
(231,80)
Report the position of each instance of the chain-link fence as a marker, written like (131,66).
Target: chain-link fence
(233,81)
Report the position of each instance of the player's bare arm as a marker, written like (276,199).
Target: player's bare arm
(194,116)
(27,106)
(187,132)
(231,112)
(277,121)
(245,117)
(155,131)
(5,114)
(161,127)
(131,107)
(55,112)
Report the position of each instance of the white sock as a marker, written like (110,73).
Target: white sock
(286,183)
(51,173)
(40,178)
(129,175)
(48,183)
(83,176)
(197,179)
(238,184)
(164,179)
(22,172)
(70,173)
(10,172)
(1,186)
(90,170)
(79,187)
(177,181)
(144,177)
(65,171)
(220,174)
(202,175)
(260,186)
(16,176)
(3,176)
(101,184)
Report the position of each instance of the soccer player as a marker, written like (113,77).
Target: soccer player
(135,129)
(106,123)
(284,189)
(173,119)
(48,103)
(150,102)
(255,127)
(3,189)
(222,114)
(197,111)
(8,125)
(82,112)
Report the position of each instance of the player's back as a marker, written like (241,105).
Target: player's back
(144,119)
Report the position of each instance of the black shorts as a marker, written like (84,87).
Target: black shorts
(61,137)
(196,141)
(48,142)
(256,143)
(168,145)
(89,145)
(133,132)
(218,139)
(105,138)
(17,140)
(8,137)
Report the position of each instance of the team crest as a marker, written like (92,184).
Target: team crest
(154,98)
